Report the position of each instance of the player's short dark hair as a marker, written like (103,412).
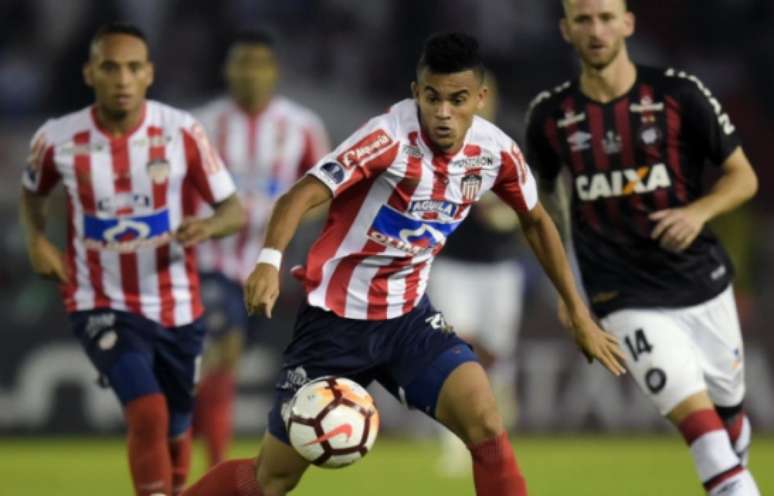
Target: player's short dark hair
(118,28)
(447,53)
(255,36)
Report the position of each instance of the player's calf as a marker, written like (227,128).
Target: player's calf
(719,468)
(147,421)
(467,406)
(739,431)
(229,478)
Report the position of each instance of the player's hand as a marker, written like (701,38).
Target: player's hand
(677,228)
(595,343)
(47,260)
(193,231)
(262,289)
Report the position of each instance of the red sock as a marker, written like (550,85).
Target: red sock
(231,478)
(180,451)
(495,471)
(149,462)
(213,413)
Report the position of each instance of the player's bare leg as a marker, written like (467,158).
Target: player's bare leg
(467,406)
(215,397)
(455,456)
(275,472)
(720,468)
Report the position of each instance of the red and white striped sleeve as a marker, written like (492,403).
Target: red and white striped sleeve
(205,167)
(368,152)
(40,173)
(515,184)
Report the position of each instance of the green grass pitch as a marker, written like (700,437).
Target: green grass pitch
(561,466)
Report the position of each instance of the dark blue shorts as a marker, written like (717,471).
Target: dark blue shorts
(224,307)
(411,356)
(136,356)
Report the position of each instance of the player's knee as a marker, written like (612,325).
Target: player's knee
(147,416)
(485,423)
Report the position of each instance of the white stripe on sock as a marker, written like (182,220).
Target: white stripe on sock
(713,455)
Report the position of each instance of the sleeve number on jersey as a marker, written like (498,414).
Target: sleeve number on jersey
(640,344)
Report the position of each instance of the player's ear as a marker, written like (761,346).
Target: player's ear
(88,75)
(564,28)
(483,96)
(415,90)
(629,23)
(151,73)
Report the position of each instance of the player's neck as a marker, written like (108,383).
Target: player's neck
(607,84)
(254,107)
(119,125)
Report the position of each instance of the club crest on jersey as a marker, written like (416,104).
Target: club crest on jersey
(158,170)
(650,136)
(622,182)
(365,150)
(571,118)
(127,234)
(413,236)
(470,187)
(579,141)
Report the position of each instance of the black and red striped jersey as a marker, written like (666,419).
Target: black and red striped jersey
(642,152)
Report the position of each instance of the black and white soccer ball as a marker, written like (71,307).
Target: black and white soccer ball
(332,422)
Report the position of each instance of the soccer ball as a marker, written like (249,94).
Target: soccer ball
(332,422)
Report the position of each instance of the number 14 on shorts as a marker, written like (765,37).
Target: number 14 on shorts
(639,344)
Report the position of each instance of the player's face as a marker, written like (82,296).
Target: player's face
(447,104)
(252,73)
(120,73)
(597,29)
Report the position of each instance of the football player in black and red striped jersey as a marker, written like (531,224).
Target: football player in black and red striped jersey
(635,141)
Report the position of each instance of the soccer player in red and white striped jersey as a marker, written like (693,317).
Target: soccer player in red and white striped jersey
(132,169)
(399,187)
(267,142)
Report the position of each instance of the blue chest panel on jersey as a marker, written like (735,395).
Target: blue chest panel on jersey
(126,233)
(414,236)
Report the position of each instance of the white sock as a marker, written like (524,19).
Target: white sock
(715,460)
(741,484)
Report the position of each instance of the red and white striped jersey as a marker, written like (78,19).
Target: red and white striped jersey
(395,203)
(265,153)
(125,198)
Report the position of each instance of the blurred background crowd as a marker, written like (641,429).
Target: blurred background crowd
(349,60)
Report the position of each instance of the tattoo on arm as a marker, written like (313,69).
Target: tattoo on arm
(555,199)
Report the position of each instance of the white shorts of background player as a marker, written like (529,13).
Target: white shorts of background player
(482,301)
(674,353)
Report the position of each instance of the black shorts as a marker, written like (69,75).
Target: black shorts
(411,356)
(224,307)
(138,357)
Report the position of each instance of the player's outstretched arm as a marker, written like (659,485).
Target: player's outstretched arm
(554,196)
(228,217)
(677,228)
(262,286)
(46,259)
(545,242)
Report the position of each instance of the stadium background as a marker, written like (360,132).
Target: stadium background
(348,60)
